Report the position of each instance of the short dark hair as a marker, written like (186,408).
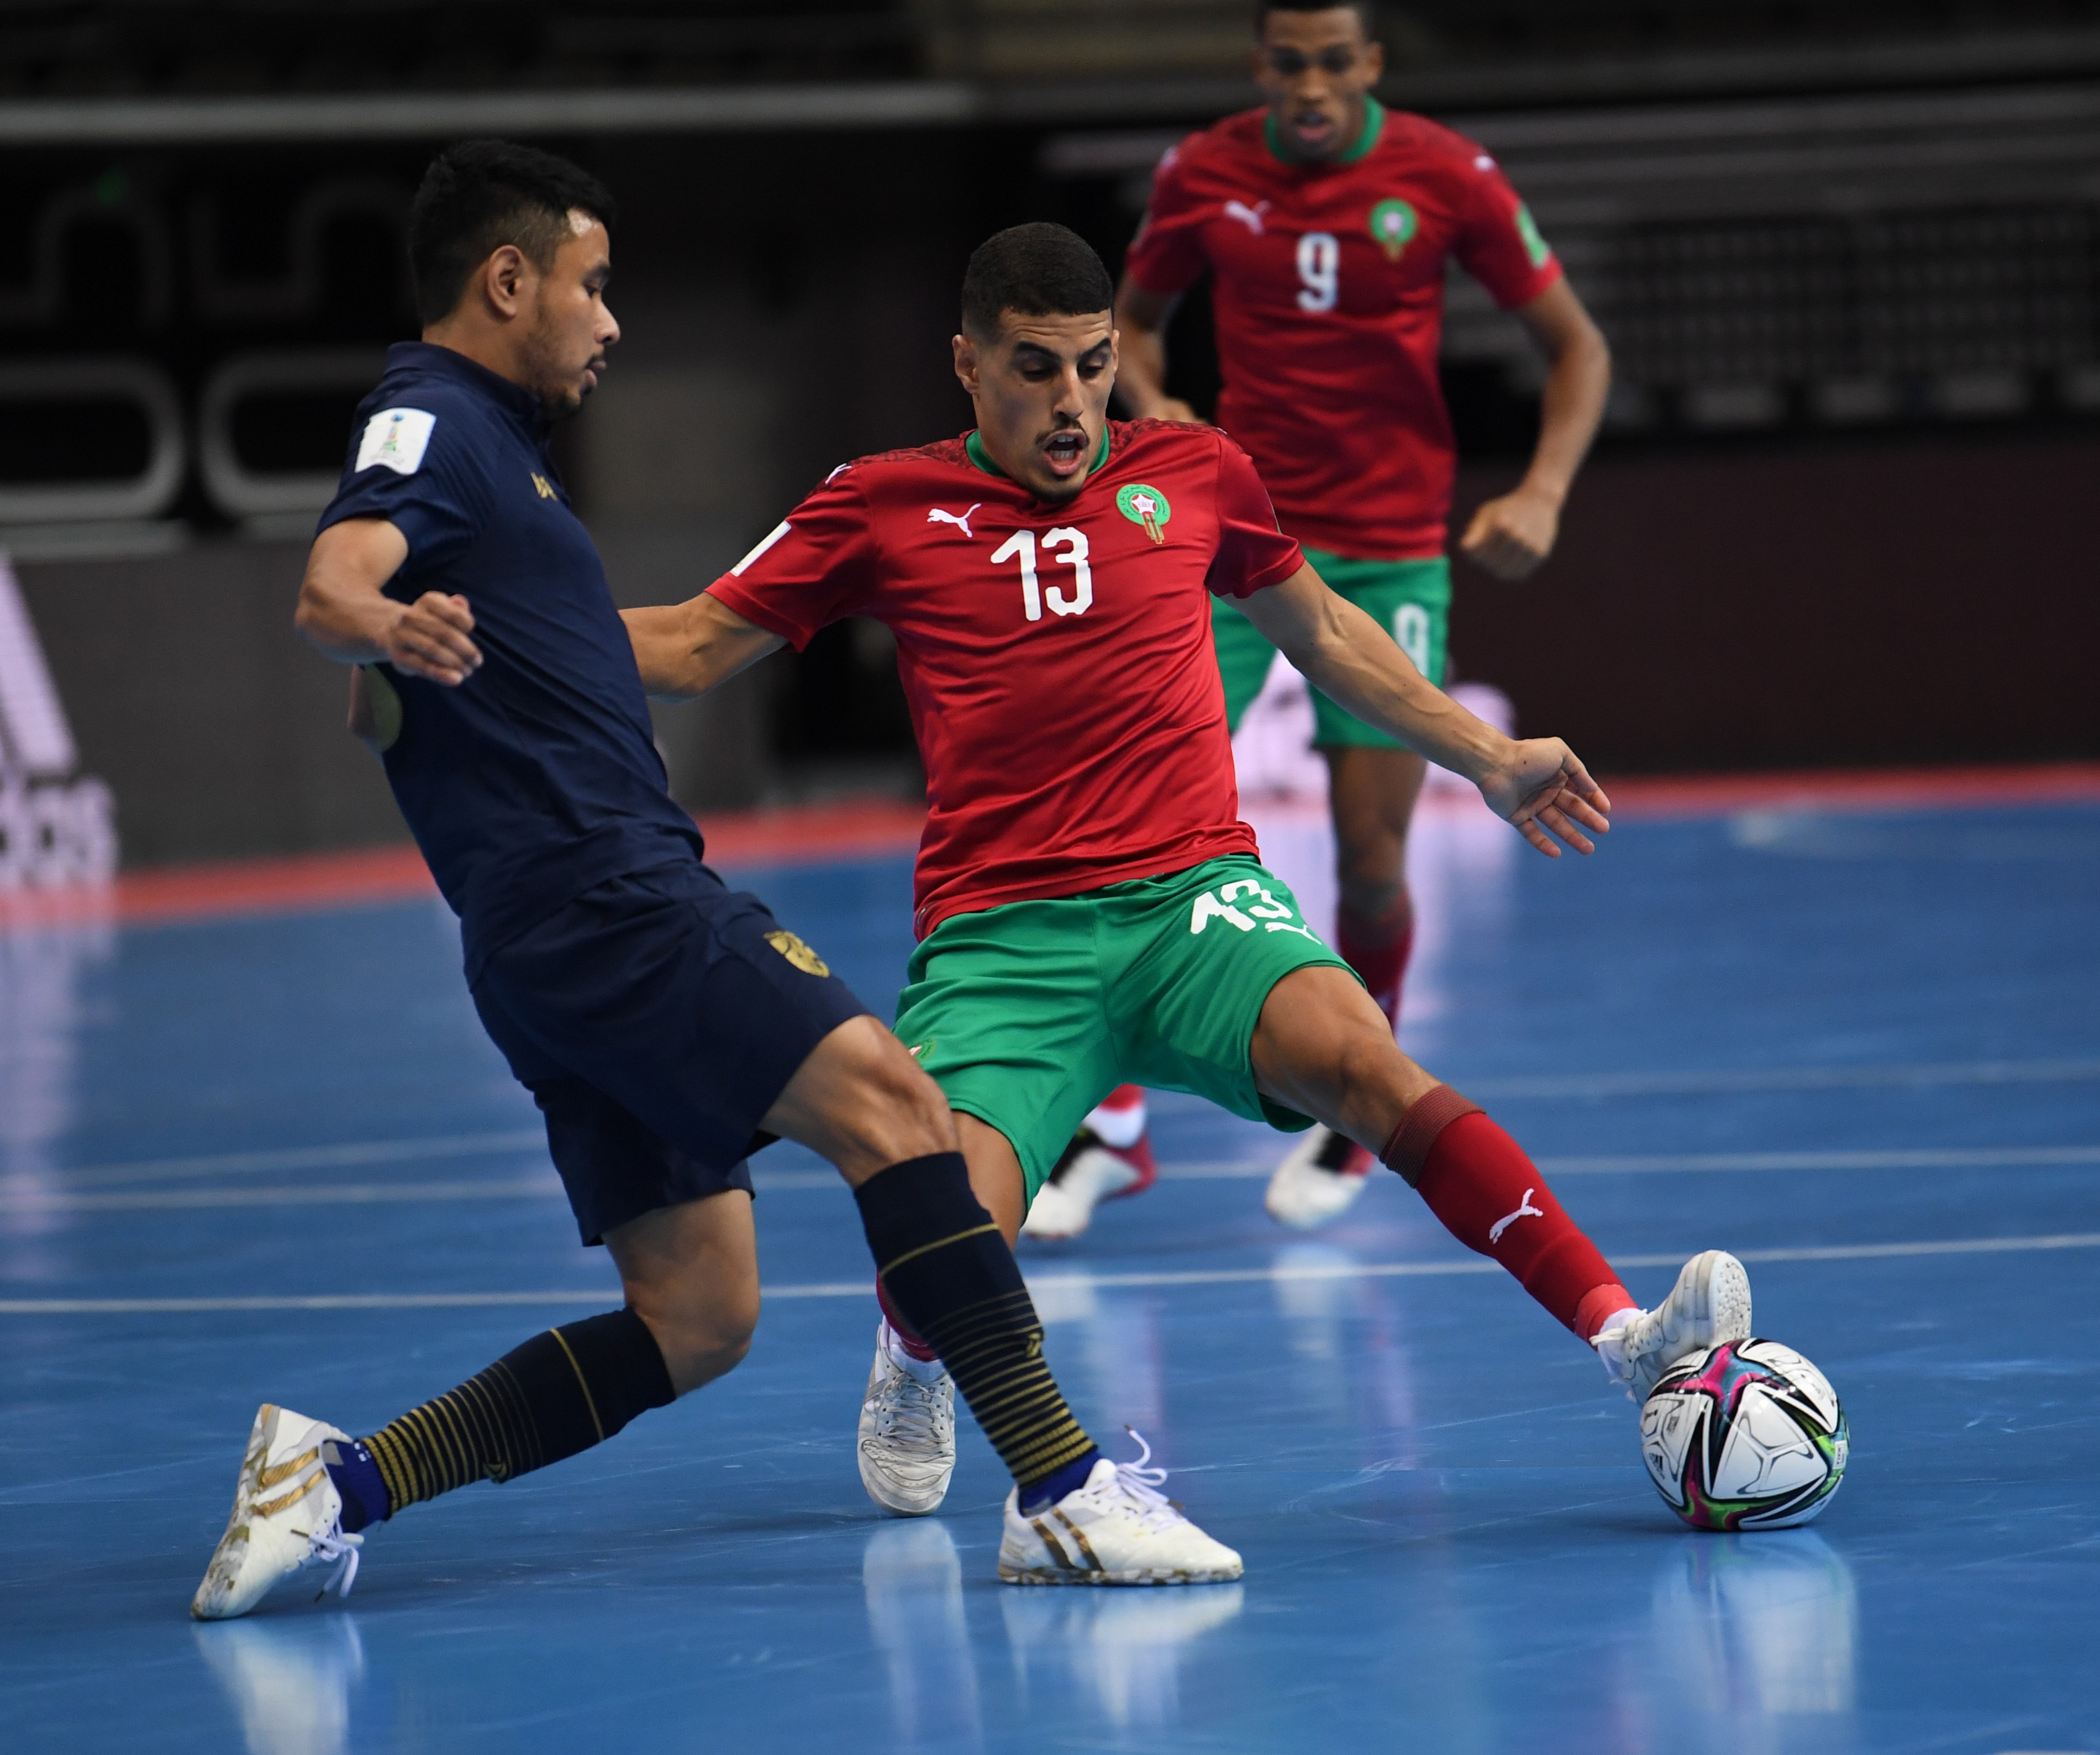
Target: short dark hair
(1038,270)
(1365,9)
(479,196)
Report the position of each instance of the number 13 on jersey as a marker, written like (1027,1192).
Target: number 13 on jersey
(1021,545)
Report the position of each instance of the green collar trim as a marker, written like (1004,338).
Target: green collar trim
(975,448)
(1373,126)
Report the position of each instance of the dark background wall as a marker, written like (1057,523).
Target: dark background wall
(220,733)
(1837,515)
(1902,602)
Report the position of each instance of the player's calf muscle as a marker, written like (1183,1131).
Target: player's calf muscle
(861,1100)
(697,1345)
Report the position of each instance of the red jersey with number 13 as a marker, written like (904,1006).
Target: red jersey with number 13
(1327,290)
(1056,656)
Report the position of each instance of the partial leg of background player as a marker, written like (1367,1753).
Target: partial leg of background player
(1110,1158)
(1323,1048)
(1371,797)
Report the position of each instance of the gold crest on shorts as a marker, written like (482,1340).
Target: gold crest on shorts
(798,953)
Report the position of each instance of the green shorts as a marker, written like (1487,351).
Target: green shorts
(1028,1014)
(1411,600)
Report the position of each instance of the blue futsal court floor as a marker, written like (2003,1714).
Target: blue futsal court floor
(274,1158)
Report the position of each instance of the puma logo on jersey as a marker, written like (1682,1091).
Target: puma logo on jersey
(1525,1209)
(935,515)
(1248,217)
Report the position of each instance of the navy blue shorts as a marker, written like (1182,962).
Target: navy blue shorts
(654,1019)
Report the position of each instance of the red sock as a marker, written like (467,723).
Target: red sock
(1377,949)
(907,1336)
(1490,1197)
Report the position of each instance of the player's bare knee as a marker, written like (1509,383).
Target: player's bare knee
(703,1355)
(725,1343)
(703,1335)
(882,1107)
(1373,884)
(922,1107)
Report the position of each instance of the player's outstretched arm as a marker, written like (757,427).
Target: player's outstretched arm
(345,612)
(685,649)
(1537,784)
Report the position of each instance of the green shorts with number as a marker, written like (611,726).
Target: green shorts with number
(1029,1014)
(1411,600)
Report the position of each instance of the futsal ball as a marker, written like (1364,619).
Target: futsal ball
(1745,1436)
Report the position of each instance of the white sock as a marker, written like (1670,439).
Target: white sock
(1611,1348)
(921,1370)
(1121,1128)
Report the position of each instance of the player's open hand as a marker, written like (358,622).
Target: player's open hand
(1173,408)
(1509,537)
(1545,792)
(431,639)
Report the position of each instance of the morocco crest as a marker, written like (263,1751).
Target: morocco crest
(1144,504)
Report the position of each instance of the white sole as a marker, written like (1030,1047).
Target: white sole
(922,1508)
(1300,1219)
(1009,1575)
(1729,1302)
(225,1566)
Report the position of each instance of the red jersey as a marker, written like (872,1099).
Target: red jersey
(1328,291)
(1056,656)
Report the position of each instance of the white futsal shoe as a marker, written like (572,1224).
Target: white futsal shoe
(1709,1304)
(287,1516)
(1064,1206)
(907,1430)
(1117,1529)
(1093,1169)
(1319,1181)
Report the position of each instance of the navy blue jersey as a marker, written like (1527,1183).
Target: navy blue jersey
(537,778)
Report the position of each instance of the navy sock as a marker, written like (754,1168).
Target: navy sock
(945,1266)
(562,1392)
(357,1478)
(1048,1491)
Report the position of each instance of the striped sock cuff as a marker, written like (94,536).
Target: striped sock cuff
(993,1351)
(481,1430)
(944,1266)
(562,1392)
